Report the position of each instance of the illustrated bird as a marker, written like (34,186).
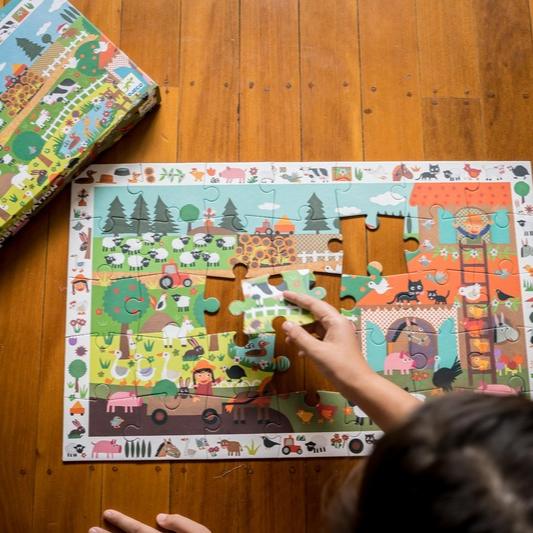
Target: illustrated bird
(472,172)
(428,223)
(116,421)
(119,371)
(381,288)
(471,292)
(234,372)
(502,296)
(443,378)
(426,243)
(144,374)
(162,302)
(268,443)
(304,416)
(424,261)
(260,351)
(519,171)
(167,373)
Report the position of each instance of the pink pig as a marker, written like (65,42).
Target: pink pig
(126,399)
(398,361)
(497,389)
(109,447)
(233,173)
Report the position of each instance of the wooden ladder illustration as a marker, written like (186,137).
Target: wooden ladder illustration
(479,342)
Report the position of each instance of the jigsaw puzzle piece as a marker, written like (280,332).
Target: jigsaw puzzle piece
(263,301)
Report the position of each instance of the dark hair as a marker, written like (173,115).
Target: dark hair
(202,370)
(461,463)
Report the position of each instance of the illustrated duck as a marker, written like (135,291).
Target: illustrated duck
(166,373)
(119,371)
(144,374)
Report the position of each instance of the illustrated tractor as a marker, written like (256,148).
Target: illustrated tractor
(290,447)
(171,277)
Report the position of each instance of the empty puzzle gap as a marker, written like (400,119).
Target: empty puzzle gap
(387,245)
(354,260)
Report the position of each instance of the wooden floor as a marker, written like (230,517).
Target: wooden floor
(253,80)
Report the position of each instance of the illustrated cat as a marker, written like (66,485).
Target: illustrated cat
(439,298)
(431,175)
(414,288)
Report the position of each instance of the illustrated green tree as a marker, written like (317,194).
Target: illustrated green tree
(163,221)
(88,59)
(165,387)
(140,217)
(116,218)
(27,145)
(522,189)
(125,301)
(230,218)
(31,49)
(46,38)
(77,369)
(315,219)
(189,213)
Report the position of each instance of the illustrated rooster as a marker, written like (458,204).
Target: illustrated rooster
(472,172)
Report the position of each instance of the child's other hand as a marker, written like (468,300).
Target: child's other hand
(338,354)
(172,522)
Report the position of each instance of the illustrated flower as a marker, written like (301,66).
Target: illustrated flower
(237,359)
(81,351)
(253,171)
(455,255)
(444,252)
(474,253)
(493,252)
(509,304)
(495,302)
(528,209)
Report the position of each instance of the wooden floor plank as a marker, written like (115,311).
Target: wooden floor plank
(447,46)
(22,272)
(506,68)
(460,115)
(106,16)
(150,36)
(392,117)
(53,478)
(270,85)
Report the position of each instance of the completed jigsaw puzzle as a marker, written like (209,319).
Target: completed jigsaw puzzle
(144,379)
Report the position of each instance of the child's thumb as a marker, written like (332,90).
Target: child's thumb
(302,338)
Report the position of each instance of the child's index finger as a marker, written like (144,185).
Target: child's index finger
(318,308)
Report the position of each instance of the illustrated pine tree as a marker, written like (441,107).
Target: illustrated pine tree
(31,49)
(230,218)
(140,217)
(116,218)
(315,219)
(163,221)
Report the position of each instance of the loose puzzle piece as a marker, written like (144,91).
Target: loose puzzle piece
(263,302)
(143,378)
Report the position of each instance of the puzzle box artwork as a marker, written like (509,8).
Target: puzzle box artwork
(145,380)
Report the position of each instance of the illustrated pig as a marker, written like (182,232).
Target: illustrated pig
(497,389)
(398,361)
(109,447)
(126,399)
(233,173)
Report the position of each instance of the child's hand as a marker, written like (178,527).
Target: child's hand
(172,522)
(338,354)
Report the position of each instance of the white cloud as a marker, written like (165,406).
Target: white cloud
(268,206)
(347,210)
(43,29)
(2,66)
(56,4)
(388,198)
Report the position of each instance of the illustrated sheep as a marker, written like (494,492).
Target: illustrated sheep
(138,262)
(131,246)
(189,258)
(150,237)
(182,302)
(179,243)
(202,239)
(159,254)
(226,243)
(110,243)
(116,260)
(212,259)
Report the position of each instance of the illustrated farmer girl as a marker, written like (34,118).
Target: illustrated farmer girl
(473,227)
(204,378)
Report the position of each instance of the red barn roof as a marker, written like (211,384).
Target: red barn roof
(461,194)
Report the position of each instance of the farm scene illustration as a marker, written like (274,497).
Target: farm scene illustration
(66,92)
(145,379)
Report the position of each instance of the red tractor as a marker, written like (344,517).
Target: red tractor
(171,277)
(290,447)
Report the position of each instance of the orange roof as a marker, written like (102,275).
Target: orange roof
(461,194)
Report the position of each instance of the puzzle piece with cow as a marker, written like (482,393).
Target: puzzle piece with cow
(145,379)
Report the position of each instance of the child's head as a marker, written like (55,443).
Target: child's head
(462,463)
(202,376)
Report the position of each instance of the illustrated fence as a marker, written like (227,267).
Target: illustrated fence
(273,310)
(47,72)
(314,256)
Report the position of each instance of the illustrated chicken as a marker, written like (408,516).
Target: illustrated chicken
(443,378)
(326,412)
(472,172)
(304,416)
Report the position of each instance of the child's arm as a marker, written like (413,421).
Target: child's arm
(339,357)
